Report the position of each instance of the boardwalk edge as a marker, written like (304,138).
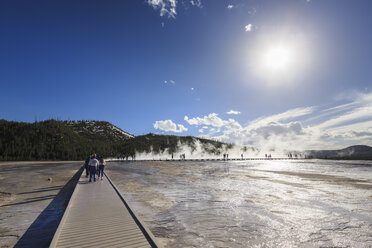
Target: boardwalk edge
(61,223)
(146,232)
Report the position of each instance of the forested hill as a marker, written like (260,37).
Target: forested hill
(75,140)
(154,143)
(58,140)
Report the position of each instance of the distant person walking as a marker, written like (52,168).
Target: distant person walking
(93,165)
(86,166)
(101,167)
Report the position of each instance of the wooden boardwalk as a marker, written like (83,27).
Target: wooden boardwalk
(201,159)
(98,216)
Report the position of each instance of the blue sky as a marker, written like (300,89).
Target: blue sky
(264,73)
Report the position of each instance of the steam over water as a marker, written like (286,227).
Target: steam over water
(308,203)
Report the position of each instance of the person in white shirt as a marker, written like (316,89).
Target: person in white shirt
(101,166)
(93,165)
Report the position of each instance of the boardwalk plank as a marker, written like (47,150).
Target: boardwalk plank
(97,217)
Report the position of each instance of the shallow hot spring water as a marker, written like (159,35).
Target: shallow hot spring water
(298,203)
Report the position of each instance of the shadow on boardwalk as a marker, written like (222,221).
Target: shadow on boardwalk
(42,230)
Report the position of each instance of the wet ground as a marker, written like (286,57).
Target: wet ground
(312,203)
(32,201)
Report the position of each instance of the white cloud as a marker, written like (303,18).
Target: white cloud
(196,3)
(248,28)
(351,116)
(230,6)
(169,126)
(287,115)
(166,7)
(275,129)
(233,112)
(169,81)
(192,89)
(265,132)
(339,126)
(252,11)
(210,120)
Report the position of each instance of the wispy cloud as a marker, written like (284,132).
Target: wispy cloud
(287,115)
(196,3)
(252,11)
(169,82)
(166,7)
(169,126)
(355,115)
(339,126)
(230,6)
(248,28)
(233,112)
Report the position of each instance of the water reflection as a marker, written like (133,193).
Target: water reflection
(252,203)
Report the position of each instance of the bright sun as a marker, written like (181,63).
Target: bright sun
(278,58)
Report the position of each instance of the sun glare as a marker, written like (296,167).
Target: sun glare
(278,58)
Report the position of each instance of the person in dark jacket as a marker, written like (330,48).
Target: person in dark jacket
(86,166)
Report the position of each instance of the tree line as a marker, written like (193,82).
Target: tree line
(59,140)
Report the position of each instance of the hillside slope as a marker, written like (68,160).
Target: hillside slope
(58,140)
(352,152)
(75,140)
(156,144)
(101,129)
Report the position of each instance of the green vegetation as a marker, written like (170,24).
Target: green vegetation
(75,140)
(70,140)
(48,140)
(160,143)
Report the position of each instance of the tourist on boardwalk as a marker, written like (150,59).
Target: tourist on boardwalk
(86,166)
(93,164)
(101,167)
